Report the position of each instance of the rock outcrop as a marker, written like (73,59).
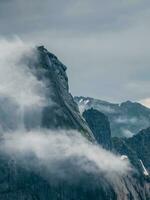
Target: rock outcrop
(62,112)
(136,148)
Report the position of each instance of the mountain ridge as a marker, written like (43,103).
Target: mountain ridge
(126,119)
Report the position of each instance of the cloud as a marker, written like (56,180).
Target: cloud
(22,94)
(85,15)
(127,120)
(85,104)
(145,102)
(16,79)
(105,109)
(127,133)
(59,153)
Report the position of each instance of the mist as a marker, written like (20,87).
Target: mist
(63,154)
(16,79)
(22,94)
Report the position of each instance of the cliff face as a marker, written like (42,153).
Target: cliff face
(137,149)
(140,143)
(62,113)
(99,126)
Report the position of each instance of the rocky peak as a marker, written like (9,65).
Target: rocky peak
(62,112)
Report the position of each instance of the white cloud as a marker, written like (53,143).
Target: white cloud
(127,133)
(126,120)
(22,95)
(54,148)
(145,102)
(16,79)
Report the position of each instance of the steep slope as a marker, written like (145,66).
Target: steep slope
(141,145)
(136,147)
(126,119)
(64,112)
(100,127)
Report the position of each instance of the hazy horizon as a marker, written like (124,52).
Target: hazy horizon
(104,44)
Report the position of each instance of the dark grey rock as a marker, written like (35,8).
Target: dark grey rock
(100,127)
(126,119)
(62,111)
(136,147)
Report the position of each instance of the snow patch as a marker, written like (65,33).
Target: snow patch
(86,102)
(124,157)
(145,172)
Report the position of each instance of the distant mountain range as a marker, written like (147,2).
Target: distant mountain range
(136,148)
(126,119)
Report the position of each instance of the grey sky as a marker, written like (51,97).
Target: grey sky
(104,43)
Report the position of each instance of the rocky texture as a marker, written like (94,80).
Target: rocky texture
(140,143)
(137,151)
(99,126)
(136,148)
(62,111)
(19,183)
(126,119)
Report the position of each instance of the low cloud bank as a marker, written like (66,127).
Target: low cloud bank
(63,153)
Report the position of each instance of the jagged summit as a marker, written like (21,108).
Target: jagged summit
(44,50)
(63,113)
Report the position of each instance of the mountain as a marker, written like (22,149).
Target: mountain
(135,149)
(126,119)
(64,112)
(141,144)
(100,127)
(29,179)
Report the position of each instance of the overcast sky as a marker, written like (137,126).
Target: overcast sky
(104,43)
